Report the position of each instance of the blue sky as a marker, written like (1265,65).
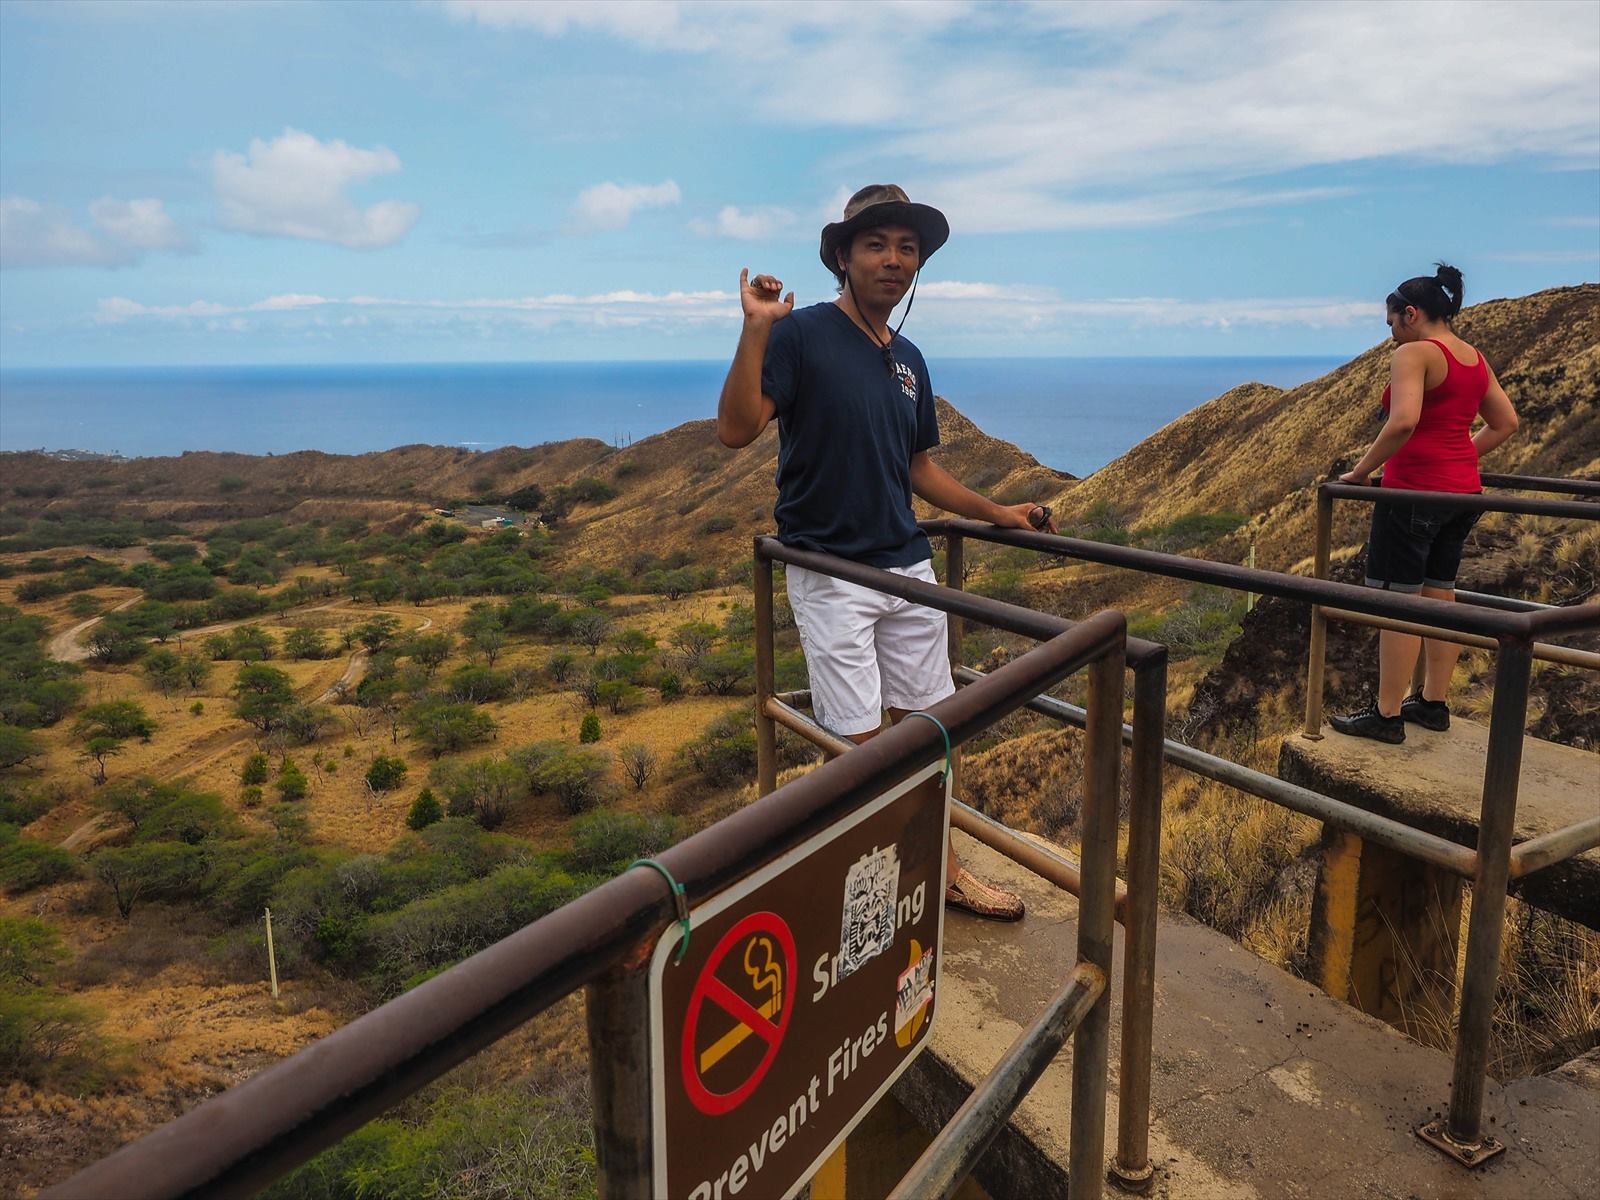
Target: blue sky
(495,180)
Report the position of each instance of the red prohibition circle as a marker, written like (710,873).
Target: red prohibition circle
(709,987)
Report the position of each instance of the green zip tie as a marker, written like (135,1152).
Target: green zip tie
(949,759)
(679,897)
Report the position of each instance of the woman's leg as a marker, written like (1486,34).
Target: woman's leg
(1439,655)
(1397,658)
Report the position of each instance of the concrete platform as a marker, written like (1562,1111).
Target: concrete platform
(1435,782)
(1263,1086)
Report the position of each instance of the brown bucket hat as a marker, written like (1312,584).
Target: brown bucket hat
(885,204)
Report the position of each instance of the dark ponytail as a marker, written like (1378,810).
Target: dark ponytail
(1439,297)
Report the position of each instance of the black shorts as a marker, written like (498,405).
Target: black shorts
(1412,545)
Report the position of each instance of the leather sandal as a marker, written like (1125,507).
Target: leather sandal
(967,891)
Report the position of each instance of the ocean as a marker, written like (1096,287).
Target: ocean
(1074,414)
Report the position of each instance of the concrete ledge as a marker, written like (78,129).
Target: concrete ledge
(1263,1086)
(1434,781)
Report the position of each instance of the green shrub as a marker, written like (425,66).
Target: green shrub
(445,727)
(250,796)
(41,1033)
(255,770)
(424,810)
(589,729)
(291,781)
(607,841)
(26,864)
(150,871)
(20,808)
(385,774)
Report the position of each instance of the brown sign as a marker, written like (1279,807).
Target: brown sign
(806,990)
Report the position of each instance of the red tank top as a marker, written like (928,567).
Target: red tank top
(1439,455)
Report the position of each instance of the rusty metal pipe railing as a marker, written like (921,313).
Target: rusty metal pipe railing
(1042,861)
(1091,1045)
(1475,501)
(1537,483)
(1542,651)
(1374,827)
(950,1158)
(236,1143)
(1486,924)
(1467,618)
(1535,854)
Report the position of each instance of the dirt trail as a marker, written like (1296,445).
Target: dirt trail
(65,647)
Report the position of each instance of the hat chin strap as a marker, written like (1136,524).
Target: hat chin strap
(888,354)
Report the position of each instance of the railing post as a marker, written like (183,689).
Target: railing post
(1317,651)
(766,731)
(1462,1134)
(954,576)
(618,1015)
(1096,912)
(1131,1169)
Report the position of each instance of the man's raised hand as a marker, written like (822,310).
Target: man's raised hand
(759,298)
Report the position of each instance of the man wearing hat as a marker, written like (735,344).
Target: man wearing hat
(856,421)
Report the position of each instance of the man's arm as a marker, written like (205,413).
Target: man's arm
(937,486)
(743,411)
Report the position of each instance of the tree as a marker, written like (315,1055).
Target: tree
(429,651)
(148,870)
(574,777)
(196,670)
(98,750)
(638,763)
(425,810)
(115,719)
(378,632)
(17,746)
(385,774)
(694,640)
(444,726)
(113,640)
(483,789)
(251,644)
(305,642)
(262,695)
(559,667)
(218,646)
(726,671)
(164,669)
(526,499)
(589,730)
(591,627)
(618,695)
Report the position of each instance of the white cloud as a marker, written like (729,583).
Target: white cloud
(747,225)
(1088,115)
(41,235)
(139,224)
(941,305)
(612,205)
(295,186)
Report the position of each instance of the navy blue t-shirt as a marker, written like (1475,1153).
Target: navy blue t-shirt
(847,429)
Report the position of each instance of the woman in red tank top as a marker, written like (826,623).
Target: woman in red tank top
(1438,386)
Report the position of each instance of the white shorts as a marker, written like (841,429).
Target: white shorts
(866,651)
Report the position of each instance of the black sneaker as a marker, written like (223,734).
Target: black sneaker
(1430,714)
(1370,723)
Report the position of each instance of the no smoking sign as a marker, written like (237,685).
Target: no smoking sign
(807,989)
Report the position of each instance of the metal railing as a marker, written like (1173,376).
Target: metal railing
(1513,627)
(240,1141)
(1135,907)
